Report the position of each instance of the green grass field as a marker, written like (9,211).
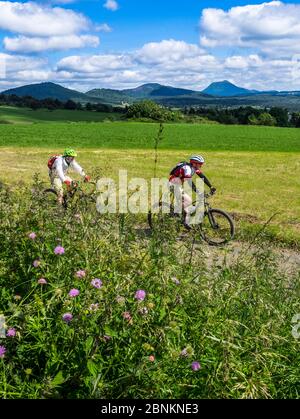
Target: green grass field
(14,115)
(255,169)
(134,135)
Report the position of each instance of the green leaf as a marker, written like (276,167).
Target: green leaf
(58,380)
(88,344)
(92,367)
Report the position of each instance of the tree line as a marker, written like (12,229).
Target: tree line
(248,115)
(54,104)
(149,110)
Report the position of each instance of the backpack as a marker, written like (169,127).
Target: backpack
(51,161)
(178,166)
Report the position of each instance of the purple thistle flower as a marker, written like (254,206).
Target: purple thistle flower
(107,338)
(80,274)
(196,366)
(32,236)
(97,283)
(36,263)
(2,351)
(140,295)
(74,292)
(11,333)
(42,281)
(59,250)
(67,317)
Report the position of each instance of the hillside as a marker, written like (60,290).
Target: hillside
(228,95)
(225,88)
(48,90)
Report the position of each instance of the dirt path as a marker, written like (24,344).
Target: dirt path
(288,259)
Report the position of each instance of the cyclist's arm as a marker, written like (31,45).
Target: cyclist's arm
(192,185)
(206,181)
(77,168)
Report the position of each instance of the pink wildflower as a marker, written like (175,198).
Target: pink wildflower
(74,293)
(2,351)
(140,295)
(97,283)
(36,263)
(80,274)
(42,281)
(67,317)
(11,333)
(59,250)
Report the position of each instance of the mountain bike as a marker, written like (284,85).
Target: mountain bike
(216,227)
(75,193)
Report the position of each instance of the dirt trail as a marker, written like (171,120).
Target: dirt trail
(288,259)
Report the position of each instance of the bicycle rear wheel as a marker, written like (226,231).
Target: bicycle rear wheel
(217,227)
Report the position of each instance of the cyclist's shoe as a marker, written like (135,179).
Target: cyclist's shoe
(188,227)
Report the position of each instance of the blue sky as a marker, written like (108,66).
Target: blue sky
(86,44)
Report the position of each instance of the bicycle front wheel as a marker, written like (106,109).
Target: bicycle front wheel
(217,227)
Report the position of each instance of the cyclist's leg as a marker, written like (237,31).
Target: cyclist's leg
(177,195)
(58,187)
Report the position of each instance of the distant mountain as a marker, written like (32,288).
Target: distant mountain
(146,91)
(219,94)
(225,88)
(47,90)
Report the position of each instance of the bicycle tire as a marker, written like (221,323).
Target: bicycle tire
(225,234)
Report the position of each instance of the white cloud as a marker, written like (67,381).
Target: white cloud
(242,62)
(25,44)
(267,27)
(95,64)
(15,63)
(111,5)
(166,51)
(38,20)
(103,27)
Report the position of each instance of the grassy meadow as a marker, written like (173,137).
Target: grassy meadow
(98,307)
(256,170)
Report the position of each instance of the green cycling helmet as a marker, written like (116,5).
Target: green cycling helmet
(69,152)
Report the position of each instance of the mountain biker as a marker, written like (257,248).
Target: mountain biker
(58,168)
(184,171)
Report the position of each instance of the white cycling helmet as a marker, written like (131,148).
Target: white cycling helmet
(196,159)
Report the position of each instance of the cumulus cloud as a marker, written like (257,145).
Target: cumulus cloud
(111,5)
(37,44)
(95,64)
(37,20)
(271,27)
(103,27)
(167,50)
